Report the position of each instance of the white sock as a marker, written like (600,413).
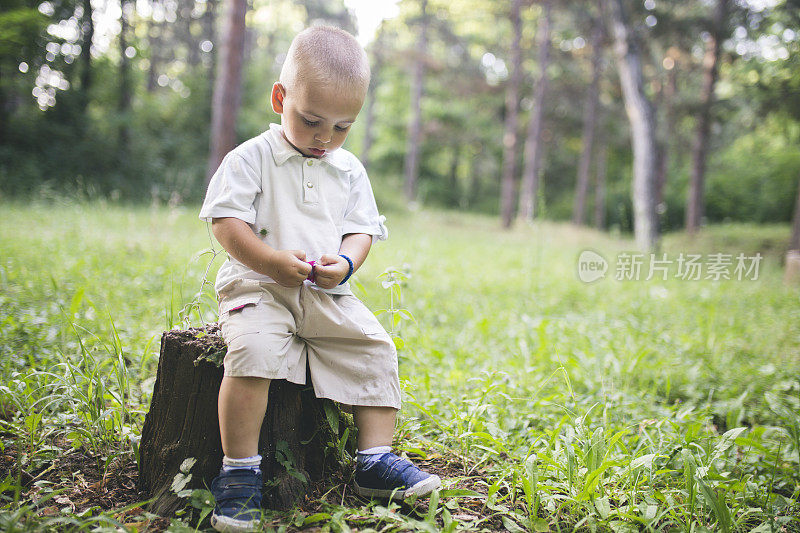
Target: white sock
(252,463)
(375,450)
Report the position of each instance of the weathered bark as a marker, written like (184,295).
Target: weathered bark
(589,121)
(510,137)
(794,243)
(228,85)
(299,431)
(600,187)
(695,204)
(643,127)
(414,135)
(533,143)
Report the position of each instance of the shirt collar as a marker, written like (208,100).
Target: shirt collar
(282,151)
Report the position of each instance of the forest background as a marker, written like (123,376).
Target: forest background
(102,99)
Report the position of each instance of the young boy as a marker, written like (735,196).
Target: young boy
(296,214)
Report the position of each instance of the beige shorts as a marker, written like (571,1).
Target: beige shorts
(274,331)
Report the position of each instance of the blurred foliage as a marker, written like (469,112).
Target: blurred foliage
(58,137)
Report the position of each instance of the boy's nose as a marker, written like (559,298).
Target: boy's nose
(323,139)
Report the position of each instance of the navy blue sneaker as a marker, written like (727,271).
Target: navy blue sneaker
(386,475)
(238,496)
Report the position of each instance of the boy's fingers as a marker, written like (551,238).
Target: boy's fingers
(300,254)
(329,259)
(327,270)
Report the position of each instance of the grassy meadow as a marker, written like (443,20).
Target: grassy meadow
(549,404)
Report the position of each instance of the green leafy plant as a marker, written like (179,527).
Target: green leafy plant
(392,281)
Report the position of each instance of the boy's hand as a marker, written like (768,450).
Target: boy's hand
(330,270)
(289,267)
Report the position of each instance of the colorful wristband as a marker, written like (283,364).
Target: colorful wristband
(350,272)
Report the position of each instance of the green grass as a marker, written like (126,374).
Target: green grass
(610,406)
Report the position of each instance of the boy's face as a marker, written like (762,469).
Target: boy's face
(315,117)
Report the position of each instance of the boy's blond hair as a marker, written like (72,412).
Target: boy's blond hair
(328,55)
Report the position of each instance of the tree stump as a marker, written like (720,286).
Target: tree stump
(302,438)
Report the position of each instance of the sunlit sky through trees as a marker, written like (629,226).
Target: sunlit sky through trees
(369,14)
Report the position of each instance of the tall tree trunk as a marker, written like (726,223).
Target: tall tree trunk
(589,121)
(228,85)
(414,136)
(4,114)
(643,127)
(155,32)
(192,43)
(87,29)
(477,168)
(794,243)
(369,129)
(695,204)
(369,113)
(510,137)
(124,102)
(600,187)
(669,131)
(210,33)
(533,143)
(455,162)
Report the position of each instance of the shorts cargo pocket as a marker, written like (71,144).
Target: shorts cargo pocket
(233,323)
(233,305)
(236,323)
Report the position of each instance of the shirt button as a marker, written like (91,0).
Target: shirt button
(310,185)
(309,162)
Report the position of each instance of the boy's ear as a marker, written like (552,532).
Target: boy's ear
(278,94)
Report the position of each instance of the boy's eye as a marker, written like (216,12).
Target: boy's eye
(342,128)
(310,122)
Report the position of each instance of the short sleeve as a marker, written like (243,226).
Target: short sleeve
(232,190)
(361,215)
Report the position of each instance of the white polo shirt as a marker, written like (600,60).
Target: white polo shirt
(291,202)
